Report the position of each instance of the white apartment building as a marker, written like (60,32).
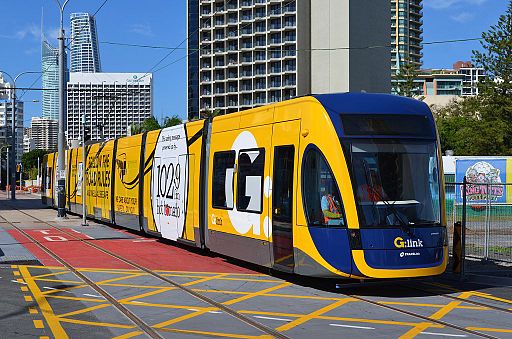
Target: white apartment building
(472,76)
(44,133)
(28,142)
(6,119)
(111,102)
(247,53)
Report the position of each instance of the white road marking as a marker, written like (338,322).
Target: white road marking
(19,282)
(88,236)
(145,240)
(271,318)
(215,312)
(351,326)
(93,295)
(49,288)
(137,302)
(445,334)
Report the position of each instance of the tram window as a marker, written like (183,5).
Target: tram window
(251,164)
(322,198)
(222,181)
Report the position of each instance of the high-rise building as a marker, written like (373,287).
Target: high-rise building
(44,133)
(6,118)
(28,142)
(406,33)
(110,101)
(85,54)
(247,53)
(50,80)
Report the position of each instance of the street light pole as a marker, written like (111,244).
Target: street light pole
(61,172)
(12,163)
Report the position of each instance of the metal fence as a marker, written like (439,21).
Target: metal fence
(488,218)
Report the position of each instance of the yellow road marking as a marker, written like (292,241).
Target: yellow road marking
(32,310)
(218,276)
(28,298)
(84,310)
(60,281)
(92,323)
(214,334)
(16,273)
(129,335)
(75,298)
(57,290)
(486,329)
(20,280)
(46,267)
(312,315)
(38,324)
(147,294)
(38,277)
(438,315)
(14,266)
(120,278)
(255,294)
(44,306)
(44,337)
(137,303)
(413,332)
(184,317)
(492,297)
(402,303)
(24,288)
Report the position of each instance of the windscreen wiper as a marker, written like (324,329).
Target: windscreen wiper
(403,225)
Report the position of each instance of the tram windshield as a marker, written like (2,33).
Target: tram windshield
(396,182)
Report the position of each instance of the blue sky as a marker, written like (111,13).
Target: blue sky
(163,23)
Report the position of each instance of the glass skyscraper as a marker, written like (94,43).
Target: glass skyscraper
(406,33)
(85,55)
(50,69)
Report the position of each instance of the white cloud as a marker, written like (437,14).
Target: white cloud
(52,33)
(463,17)
(445,4)
(142,29)
(31,30)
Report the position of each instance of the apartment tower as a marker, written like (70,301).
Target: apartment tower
(247,53)
(85,55)
(406,33)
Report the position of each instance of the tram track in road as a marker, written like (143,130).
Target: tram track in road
(228,310)
(250,321)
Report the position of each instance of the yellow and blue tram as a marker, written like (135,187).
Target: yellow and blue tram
(333,185)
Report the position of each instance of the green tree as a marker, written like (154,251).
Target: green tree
(150,124)
(29,162)
(496,60)
(172,121)
(135,129)
(403,82)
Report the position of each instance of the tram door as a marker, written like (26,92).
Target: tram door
(285,145)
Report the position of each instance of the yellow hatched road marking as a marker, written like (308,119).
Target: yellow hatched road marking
(16,273)
(32,310)
(147,294)
(84,310)
(139,303)
(57,290)
(93,323)
(492,297)
(38,277)
(218,276)
(438,315)
(312,315)
(24,288)
(402,303)
(44,337)
(256,294)
(60,281)
(213,334)
(28,298)
(487,329)
(129,335)
(38,324)
(135,275)
(45,307)
(14,266)
(75,298)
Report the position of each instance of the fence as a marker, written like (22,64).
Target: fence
(488,218)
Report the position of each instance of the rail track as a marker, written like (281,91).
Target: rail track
(269,331)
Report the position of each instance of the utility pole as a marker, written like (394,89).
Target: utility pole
(8,177)
(83,183)
(61,171)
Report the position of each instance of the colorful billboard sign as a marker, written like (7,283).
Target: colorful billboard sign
(485,179)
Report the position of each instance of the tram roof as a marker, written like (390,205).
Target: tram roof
(371,103)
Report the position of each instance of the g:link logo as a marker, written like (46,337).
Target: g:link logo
(400,243)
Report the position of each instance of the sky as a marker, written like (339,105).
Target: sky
(163,23)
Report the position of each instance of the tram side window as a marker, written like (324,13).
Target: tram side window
(322,198)
(222,181)
(251,166)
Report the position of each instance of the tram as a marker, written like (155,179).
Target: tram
(332,185)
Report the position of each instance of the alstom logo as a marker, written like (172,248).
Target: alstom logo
(409,243)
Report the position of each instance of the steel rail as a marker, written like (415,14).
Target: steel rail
(220,306)
(143,326)
(249,320)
